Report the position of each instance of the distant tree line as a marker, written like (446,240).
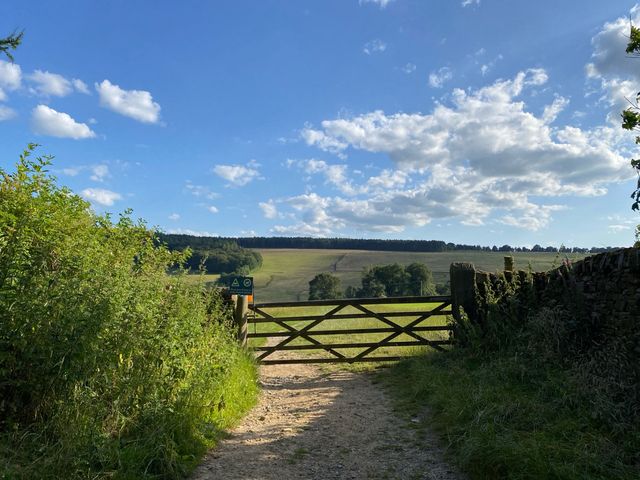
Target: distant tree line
(214,243)
(396,245)
(392,280)
(216,255)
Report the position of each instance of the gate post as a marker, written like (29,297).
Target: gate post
(241,317)
(463,290)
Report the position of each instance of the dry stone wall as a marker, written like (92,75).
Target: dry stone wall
(607,286)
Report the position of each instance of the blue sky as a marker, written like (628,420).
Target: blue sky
(484,122)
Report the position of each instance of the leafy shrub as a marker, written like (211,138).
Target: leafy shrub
(108,365)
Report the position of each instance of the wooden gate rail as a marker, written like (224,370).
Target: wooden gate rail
(391,327)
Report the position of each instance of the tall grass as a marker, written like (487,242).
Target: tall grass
(543,395)
(109,367)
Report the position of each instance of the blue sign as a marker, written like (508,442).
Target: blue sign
(241,285)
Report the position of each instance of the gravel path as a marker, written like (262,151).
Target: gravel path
(316,424)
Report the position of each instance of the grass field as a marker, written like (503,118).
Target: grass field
(285,273)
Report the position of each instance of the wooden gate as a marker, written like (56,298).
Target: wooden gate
(403,317)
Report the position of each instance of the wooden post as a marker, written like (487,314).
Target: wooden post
(508,264)
(463,291)
(241,318)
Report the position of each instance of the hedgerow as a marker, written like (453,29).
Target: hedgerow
(109,366)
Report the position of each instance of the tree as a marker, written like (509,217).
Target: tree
(324,286)
(395,280)
(631,116)
(420,280)
(351,292)
(10,43)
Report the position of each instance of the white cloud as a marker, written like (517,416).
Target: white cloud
(201,191)
(335,175)
(101,196)
(47,121)
(195,233)
(380,3)
(482,158)
(269,209)
(619,228)
(611,66)
(136,104)
(212,209)
(388,179)
(487,67)
(80,86)
(374,46)
(50,84)
(409,68)
(466,3)
(550,112)
(438,79)
(10,76)
(6,113)
(99,173)
(237,175)
(55,85)
(174,216)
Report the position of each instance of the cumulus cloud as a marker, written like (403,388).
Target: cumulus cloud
(269,209)
(437,79)
(99,173)
(136,104)
(101,196)
(374,46)
(10,79)
(212,209)
(610,65)
(47,121)
(174,216)
(335,175)
(10,75)
(482,158)
(237,175)
(50,84)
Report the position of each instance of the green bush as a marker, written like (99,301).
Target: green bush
(109,367)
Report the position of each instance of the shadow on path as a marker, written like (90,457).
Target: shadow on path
(313,424)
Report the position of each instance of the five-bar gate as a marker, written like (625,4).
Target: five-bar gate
(297,326)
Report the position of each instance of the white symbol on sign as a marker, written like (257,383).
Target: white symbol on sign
(235,283)
(247,282)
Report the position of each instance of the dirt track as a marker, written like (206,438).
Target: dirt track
(317,424)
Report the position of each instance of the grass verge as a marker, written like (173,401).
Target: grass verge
(506,417)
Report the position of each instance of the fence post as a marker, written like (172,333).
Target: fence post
(241,316)
(463,290)
(508,264)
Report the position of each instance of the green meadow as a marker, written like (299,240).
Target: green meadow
(285,273)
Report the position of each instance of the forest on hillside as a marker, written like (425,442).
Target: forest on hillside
(216,243)
(215,255)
